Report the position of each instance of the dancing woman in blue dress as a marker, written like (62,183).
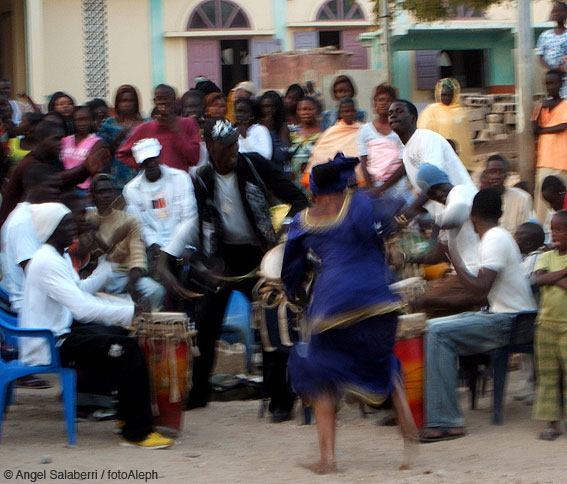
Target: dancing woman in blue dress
(353,314)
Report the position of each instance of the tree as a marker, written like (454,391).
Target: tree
(431,10)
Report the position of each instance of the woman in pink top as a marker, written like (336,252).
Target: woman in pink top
(76,148)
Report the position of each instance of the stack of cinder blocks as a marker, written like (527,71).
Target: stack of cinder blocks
(492,116)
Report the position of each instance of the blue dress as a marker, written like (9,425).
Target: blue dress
(352,316)
(121,173)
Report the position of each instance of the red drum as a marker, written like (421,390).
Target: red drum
(409,349)
(166,341)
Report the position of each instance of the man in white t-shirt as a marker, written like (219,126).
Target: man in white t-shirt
(422,146)
(500,280)
(160,197)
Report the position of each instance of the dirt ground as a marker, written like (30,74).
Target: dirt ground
(227,443)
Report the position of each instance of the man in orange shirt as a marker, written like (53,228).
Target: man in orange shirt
(550,125)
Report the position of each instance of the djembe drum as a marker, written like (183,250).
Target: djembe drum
(408,290)
(409,349)
(166,340)
(279,323)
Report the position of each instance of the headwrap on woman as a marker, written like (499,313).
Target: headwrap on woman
(450,121)
(332,177)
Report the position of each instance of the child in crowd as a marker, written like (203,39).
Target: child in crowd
(551,332)
(530,238)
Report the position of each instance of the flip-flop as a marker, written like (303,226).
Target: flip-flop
(550,434)
(445,435)
(32,382)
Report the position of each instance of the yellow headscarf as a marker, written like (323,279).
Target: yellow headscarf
(452,84)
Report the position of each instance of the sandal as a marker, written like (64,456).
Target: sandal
(550,434)
(444,434)
(33,382)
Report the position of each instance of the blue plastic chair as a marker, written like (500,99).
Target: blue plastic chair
(12,370)
(236,323)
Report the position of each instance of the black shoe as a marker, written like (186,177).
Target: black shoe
(279,416)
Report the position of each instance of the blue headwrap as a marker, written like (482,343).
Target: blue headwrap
(345,170)
(429,175)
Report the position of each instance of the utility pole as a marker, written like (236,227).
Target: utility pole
(525,91)
(385,40)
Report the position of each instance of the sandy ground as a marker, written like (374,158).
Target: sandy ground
(227,443)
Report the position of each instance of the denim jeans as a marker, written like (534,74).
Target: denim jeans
(445,339)
(149,289)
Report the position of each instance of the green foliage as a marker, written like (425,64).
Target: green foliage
(431,10)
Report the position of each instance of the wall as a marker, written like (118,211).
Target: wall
(63,50)
(278,71)
(129,48)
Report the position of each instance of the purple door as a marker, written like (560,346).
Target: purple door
(350,43)
(204,60)
(427,68)
(259,47)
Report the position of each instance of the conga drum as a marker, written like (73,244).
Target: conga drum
(409,349)
(166,341)
(409,289)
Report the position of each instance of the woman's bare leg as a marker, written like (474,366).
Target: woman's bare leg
(407,424)
(326,429)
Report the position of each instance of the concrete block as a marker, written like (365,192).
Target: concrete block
(474,114)
(495,129)
(504,98)
(477,125)
(509,118)
(504,107)
(484,135)
(494,118)
(477,101)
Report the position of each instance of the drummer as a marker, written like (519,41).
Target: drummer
(234,226)
(499,279)
(56,298)
(449,296)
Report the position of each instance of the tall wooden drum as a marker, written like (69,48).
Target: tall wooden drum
(409,349)
(166,341)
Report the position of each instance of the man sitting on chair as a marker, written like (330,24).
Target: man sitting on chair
(55,298)
(501,280)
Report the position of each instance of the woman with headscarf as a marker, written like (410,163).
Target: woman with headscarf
(449,118)
(115,130)
(352,317)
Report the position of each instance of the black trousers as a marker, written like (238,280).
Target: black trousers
(110,349)
(276,386)
(209,314)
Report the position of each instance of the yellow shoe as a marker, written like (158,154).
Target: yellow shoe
(152,441)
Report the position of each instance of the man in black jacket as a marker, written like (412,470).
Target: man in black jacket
(234,226)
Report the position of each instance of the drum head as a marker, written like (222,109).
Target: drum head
(271,265)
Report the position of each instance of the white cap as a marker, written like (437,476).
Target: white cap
(46,217)
(146,148)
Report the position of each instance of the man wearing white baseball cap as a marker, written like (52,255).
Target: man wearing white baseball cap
(90,330)
(160,197)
